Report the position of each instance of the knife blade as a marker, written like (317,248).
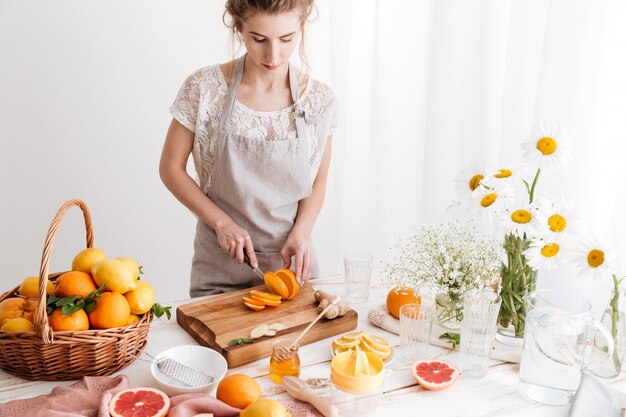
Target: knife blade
(256,270)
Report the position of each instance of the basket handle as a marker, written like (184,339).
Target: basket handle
(43,328)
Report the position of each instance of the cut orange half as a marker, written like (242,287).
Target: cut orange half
(254,307)
(266,295)
(276,285)
(289,279)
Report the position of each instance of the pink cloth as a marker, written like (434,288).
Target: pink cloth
(90,397)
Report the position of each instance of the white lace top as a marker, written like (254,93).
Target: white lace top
(201,99)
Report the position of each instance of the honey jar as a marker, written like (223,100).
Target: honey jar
(284,360)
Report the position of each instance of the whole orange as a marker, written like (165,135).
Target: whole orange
(75,321)
(12,308)
(74,283)
(238,390)
(399,296)
(112,310)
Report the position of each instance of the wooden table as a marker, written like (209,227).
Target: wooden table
(494,395)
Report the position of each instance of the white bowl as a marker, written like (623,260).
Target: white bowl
(198,357)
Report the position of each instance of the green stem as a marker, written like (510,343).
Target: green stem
(532,188)
(614,323)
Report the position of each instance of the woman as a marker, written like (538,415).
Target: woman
(260,133)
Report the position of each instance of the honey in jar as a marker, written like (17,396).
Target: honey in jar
(284,360)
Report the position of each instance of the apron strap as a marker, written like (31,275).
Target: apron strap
(232,93)
(232,96)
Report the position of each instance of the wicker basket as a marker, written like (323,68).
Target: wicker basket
(48,355)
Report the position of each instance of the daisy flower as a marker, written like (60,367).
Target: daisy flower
(594,258)
(548,146)
(510,173)
(490,200)
(547,254)
(555,218)
(519,220)
(469,179)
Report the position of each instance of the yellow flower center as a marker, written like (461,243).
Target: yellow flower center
(595,258)
(521,216)
(504,173)
(550,250)
(475,181)
(557,223)
(488,200)
(546,145)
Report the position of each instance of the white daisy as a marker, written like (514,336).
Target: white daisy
(547,254)
(520,220)
(548,146)
(469,179)
(507,174)
(555,219)
(595,259)
(491,200)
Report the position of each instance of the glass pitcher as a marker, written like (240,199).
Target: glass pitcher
(555,345)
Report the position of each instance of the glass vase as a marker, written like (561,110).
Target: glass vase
(614,319)
(517,280)
(449,309)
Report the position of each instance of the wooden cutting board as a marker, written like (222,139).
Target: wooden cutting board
(214,321)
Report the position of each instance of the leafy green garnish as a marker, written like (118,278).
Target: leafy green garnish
(70,305)
(158,310)
(240,341)
(453,338)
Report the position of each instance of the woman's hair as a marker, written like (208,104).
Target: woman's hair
(239,10)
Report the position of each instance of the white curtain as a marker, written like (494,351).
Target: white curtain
(428,87)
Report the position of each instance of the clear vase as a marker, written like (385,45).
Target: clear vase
(517,280)
(615,320)
(449,309)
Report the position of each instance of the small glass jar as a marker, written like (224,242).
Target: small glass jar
(284,360)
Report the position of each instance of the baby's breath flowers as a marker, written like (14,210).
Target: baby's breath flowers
(449,257)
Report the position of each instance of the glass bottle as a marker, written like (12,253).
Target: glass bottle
(284,360)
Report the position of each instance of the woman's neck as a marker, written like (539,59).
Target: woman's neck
(259,79)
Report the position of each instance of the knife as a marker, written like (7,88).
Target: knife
(256,270)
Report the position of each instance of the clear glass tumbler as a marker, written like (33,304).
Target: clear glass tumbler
(358,273)
(478,330)
(416,321)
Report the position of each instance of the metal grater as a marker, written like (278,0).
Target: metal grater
(169,367)
(182,373)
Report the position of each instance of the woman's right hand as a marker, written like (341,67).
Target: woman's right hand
(234,240)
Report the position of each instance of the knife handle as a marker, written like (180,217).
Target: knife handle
(246,260)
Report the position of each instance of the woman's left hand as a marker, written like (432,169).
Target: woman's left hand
(298,246)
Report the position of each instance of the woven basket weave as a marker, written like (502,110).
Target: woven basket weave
(52,356)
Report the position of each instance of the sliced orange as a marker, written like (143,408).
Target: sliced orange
(253,301)
(290,281)
(265,301)
(266,295)
(253,306)
(275,284)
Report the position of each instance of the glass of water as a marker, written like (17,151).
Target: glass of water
(478,330)
(358,273)
(416,321)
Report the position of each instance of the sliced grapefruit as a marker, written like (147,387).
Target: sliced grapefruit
(434,375)
(148,402)
(254,307)
(275,284)
(265,295)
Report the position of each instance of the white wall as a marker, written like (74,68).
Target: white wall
(84,94)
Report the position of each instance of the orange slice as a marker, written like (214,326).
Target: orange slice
(276,285)
(266,295)
(253,301)
(253,306)
(265,301)
(290,281)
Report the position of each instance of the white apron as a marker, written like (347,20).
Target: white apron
(258,183)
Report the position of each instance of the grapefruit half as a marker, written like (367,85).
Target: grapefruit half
(148,402)
(434,375)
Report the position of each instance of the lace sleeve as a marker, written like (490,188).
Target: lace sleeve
(185,106)
(333,115)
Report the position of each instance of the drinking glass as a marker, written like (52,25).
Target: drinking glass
(416,320)
(358,272)
(478,330)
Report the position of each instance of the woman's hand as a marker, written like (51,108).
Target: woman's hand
(234,240)
(298,246)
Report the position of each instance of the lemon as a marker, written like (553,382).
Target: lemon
(141,299)
(115,275)
(265,408)
(352,336)
(86,258)
(132,264)
(377,342)
(340,345)
(366,347)
(19,324)
(30,287)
